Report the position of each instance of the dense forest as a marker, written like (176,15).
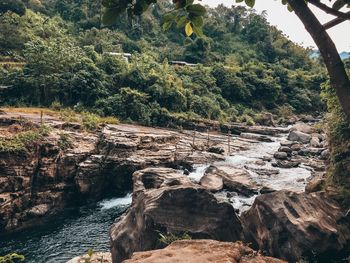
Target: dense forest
(59,53)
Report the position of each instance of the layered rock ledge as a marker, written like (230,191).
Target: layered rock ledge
(68,165)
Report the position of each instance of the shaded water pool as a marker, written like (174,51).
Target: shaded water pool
(68,235)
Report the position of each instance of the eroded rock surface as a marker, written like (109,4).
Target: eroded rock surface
(167,208)
(48,175)
(38,182)
(292,225)
(203,251)
(154,178)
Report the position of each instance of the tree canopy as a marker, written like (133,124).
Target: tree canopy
(243,65)
(188,14)
(16,6)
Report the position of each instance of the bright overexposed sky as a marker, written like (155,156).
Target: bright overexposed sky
(278,15)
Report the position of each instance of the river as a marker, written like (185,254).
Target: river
(69,234)
(76,231)
(293,179)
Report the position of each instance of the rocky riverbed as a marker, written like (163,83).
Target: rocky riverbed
(203,185)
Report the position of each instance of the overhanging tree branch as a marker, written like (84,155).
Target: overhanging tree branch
(336,70)
(329,10)
(336,21)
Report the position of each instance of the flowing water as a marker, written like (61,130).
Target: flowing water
(293,179)
(67,235)
(74,232)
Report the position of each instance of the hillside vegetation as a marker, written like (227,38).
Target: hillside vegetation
(59,53)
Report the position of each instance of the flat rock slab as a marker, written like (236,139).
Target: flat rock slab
(257,137)
(202,251)
(154,178)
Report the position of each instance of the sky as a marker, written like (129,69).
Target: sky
(289,24)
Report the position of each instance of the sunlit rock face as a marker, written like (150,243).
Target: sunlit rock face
(204,251)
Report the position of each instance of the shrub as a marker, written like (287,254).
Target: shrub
(64,141)
(69,115)
(12,258)
(56,105)
(285,111)
(248,120)
(45,130)
(19,142)
(90,121)
(168,238)
(93,121)
(108,120)
(128,104)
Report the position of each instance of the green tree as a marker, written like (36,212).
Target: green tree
(15,6)
(129,104)
(189,15)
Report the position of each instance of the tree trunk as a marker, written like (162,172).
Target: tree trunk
(336,70)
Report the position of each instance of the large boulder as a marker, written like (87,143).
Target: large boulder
(175,210)
(315,142)
(233,179)
(286,164)
(299,137)
(311,151)
(302,127)
(292,225)
(281,155)
(203,251)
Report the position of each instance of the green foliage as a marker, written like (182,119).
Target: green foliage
(90,253)
(68,61)
(167,239)
(339,139)
(69,115)
(12,258)
(90,121)
(248,120)
(15,6)
(19,142)
(45,130)
(128,104)
(64,141)
(56,106)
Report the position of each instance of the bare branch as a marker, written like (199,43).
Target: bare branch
(336,21)
(329,10)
